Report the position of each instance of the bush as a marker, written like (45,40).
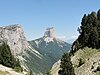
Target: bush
(81,62)
(98,68)
(48,73)
(17,69)
(30,73)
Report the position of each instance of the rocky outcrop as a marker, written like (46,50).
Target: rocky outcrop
(50,32)
(14,36)
(49,35)
(89,64)
(55,68)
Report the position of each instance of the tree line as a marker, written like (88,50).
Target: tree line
(89,32)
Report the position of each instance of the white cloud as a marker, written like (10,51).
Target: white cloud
(69,39)
(62,37)
(72,38)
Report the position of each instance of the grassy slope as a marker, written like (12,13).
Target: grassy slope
(91,59)
(3,73)
(8,71)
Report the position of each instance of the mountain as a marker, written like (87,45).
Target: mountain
(36,56)
(51,49)
(14,36)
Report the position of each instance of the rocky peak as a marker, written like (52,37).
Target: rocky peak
(50,32)
(49,35)
(14,36)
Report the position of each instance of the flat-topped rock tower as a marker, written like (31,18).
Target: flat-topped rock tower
(50,32)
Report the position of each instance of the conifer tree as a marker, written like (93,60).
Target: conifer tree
(66,65)
(7,59)
(89,32)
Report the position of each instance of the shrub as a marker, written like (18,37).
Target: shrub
(98,68)
(81,62)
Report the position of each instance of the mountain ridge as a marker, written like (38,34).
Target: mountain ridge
(50,47)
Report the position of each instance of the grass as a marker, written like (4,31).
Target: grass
(83,54)
(3,73)
(90,57)
(98,73)
(86,53)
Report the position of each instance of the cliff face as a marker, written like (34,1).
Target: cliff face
(49,35)
(14,36)
(50,32)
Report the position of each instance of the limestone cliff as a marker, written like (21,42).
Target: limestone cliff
(14,36)
(50,32)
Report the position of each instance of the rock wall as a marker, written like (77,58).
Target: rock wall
(14,36)
(50,32)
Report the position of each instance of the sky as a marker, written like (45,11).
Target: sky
(37,15)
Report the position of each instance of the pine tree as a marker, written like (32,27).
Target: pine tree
(98,14)
(89,32)
(6,57)
(66,65)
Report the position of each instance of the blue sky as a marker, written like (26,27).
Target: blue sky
(37,15)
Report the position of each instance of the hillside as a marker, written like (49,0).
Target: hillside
(90,64)
(8,71)
(86,61)
(85,50)
(90,61)
(89,32)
